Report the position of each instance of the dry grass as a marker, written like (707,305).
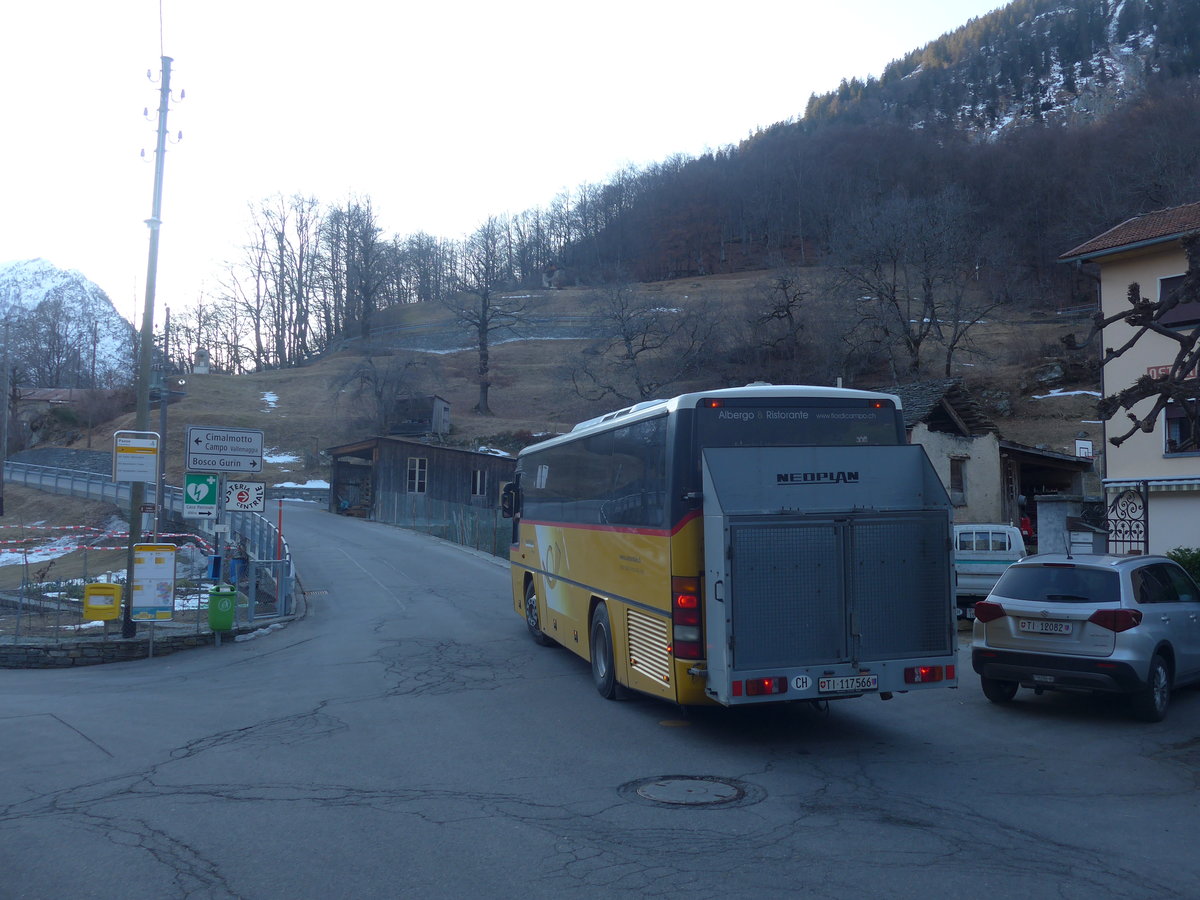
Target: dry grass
(25,509)
(532,393)
(532,388)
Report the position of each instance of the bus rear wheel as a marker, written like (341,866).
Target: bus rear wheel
(603,671)
(533,619)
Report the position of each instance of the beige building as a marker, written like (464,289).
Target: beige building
(1152,480)
(988,478)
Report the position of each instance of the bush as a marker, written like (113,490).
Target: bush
(1189,558)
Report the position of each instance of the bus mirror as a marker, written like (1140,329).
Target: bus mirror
(509,506)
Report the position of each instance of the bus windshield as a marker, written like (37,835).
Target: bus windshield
(785,422)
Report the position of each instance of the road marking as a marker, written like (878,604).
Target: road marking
(387,590)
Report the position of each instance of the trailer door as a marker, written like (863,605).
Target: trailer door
(821,555)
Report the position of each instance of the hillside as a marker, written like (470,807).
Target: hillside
(1032,61)
(305,410)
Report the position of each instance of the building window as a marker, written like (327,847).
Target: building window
(1181,431)
(1183,313)
(478,483)
(418,470)
(958,480)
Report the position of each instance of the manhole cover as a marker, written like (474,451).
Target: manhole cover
(693,790)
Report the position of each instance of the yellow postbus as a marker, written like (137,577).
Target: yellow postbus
(741,545)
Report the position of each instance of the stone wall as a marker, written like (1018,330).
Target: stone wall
(95,652)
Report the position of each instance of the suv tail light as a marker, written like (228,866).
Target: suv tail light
(687,640)
(1117,620)
(986,611)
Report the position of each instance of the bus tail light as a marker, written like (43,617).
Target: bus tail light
(687,637)
(759,687)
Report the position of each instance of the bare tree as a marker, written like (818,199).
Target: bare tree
(911,265)
(781,317)
(429,264)
(247,286)
(355,266)
(643,347)
(1179,385)
(479,306)
(377,385)
(293,229)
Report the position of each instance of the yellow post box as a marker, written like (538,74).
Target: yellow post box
(101,602)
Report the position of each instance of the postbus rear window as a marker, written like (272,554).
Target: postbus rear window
(811,422)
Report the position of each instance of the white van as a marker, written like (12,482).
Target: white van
(981,554)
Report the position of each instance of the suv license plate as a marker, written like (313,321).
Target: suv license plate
(1037,626)
(848,684)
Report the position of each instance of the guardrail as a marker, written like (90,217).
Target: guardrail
(270,574)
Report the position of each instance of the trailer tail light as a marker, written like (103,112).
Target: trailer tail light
(1117,620)
(987,611)
(926,674)
(760,687)
(687,638)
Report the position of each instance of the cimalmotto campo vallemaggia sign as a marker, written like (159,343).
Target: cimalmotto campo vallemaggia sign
(217,449)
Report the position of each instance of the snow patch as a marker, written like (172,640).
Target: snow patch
(270,399)
(1059,392)
(275,455)
(260,632)
(315,483)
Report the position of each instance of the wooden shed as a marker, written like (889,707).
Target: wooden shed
(400,480)
(421,415)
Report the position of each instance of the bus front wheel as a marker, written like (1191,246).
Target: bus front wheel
(603,670)
(533,619)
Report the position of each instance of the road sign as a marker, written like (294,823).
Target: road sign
(246,496)
(135,456)
(200,496)
(223,449)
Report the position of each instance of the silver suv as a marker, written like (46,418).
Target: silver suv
(1118,624)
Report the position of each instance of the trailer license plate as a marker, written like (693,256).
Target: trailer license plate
(848,684)
(1037,626)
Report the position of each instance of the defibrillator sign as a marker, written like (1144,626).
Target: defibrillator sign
(245,496)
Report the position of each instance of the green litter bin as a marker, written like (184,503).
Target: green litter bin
(222,602)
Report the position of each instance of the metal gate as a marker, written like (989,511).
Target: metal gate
(1129,520)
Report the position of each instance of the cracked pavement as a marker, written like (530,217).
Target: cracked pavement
(407,739)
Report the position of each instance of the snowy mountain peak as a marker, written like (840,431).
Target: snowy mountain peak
(63,330)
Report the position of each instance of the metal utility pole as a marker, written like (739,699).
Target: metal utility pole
(164,397)
(146,345)
(92,383)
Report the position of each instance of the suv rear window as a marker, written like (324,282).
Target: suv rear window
(1059,584)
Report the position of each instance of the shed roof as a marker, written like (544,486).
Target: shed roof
(1151,228)
(943,405)
(366,446)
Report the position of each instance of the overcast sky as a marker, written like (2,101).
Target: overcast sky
(441,112)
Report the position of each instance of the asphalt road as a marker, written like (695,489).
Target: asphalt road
(407,739)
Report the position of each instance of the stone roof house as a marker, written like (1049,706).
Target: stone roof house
(989,479)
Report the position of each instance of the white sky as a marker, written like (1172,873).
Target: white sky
(441,112)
